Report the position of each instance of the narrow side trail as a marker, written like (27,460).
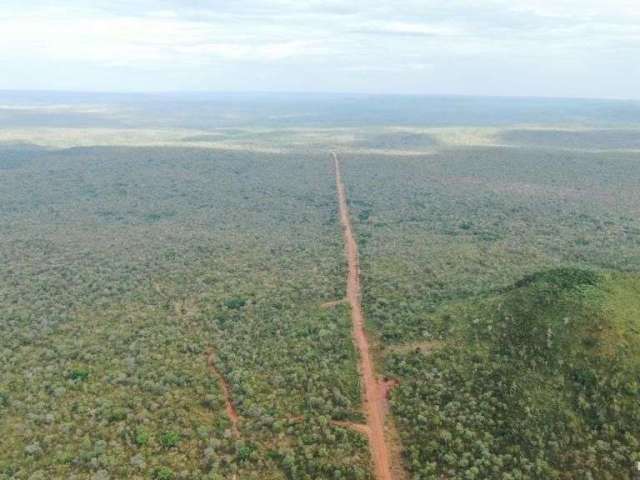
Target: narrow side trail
(373,393)
(226,392)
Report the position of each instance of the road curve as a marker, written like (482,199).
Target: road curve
(373,404)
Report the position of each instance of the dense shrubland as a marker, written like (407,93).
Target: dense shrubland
(122,268)
(538,382)
(493,284)
(486,277)
(460,222)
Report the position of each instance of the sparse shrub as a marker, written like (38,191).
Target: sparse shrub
(33,449)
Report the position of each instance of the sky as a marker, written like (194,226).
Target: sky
(551,48)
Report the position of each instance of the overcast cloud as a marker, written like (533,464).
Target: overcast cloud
(583,48)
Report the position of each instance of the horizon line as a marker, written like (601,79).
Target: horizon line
(310,93)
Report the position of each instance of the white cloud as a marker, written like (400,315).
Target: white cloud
(147,40)
(308,44)
(244,52)
(620,10)
(410,28)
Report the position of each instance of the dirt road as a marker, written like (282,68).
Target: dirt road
(226,392)
(373,394)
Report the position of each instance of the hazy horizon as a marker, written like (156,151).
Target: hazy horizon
(218,110)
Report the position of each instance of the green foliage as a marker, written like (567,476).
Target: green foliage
(109,312)
(163,473)
(235,303)
(311,457)
(560,279)
(142,437)
(529,386)
(244,453)
(169,439)
(123,267)
(79,375)
(468,221)
(485,280)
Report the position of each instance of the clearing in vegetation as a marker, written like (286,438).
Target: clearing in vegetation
(232,413)
(373,393)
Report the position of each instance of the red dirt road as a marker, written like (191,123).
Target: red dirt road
(226,392)
(373,394)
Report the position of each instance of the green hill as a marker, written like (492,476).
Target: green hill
(538,381)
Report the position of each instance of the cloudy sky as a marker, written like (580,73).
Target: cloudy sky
(568,48)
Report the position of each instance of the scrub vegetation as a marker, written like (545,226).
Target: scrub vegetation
(502,285)
(172,291)
(538,382)
(123,268)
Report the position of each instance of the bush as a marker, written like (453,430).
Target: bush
(79,375)
(163,473)
(170,439)
(142,437)
(235,303)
